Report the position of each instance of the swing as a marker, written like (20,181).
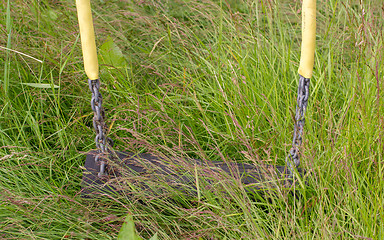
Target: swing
(105,164)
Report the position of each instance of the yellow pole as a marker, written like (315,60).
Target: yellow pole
(308,38)
(87,36)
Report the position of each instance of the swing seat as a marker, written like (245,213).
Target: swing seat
(147,172)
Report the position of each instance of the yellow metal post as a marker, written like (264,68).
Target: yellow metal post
(308,38)
(87,35)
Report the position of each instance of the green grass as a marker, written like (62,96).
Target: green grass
(200,79)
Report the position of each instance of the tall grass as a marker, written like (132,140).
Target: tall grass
(214,80)
(8,25)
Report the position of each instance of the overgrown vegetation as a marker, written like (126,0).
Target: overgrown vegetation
(201,79)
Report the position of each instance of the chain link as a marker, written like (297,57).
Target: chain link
(302,101)
(102,142)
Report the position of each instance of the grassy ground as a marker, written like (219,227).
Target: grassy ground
(207,79)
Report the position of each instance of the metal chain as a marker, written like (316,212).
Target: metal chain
(102,142)
(302,101)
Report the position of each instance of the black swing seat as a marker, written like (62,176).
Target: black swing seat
(146,170)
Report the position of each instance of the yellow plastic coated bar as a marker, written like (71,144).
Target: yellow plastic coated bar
(309,38)
(87,35)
